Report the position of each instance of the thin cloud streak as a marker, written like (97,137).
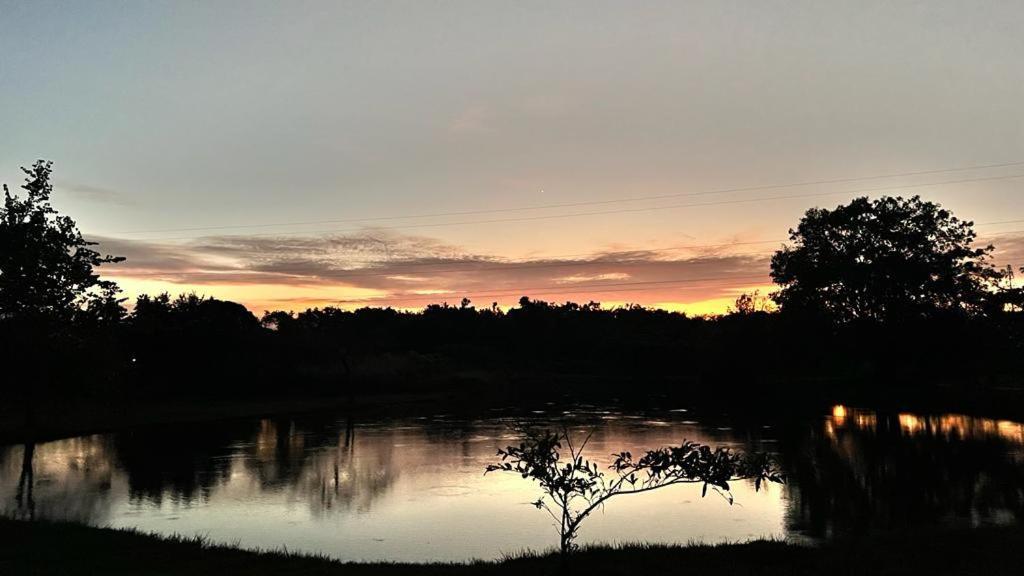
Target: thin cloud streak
(383,268)
(97,194)
(410,270)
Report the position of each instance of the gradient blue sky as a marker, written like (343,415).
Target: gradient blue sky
(163,116)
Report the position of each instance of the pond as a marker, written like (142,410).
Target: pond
(413,489)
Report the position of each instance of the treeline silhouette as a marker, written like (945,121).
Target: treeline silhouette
(194,346)
(876,292)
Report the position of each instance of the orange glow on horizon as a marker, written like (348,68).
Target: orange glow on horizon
(259,297)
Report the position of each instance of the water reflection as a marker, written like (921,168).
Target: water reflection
(345,479)
(950,426)
(876,470)
(413,489)
(68,480)
(182,466)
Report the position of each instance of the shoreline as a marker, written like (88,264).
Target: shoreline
(82,418)
(86,416)
(52,548)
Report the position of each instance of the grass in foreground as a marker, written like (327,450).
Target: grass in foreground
(43,548)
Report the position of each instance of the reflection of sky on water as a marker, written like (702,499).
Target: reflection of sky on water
(414,489)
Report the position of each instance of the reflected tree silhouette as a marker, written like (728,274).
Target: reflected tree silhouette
(857,472)
(868,473)
(182,463)
(349,477)
(67,480)
(26,483)
(280,453)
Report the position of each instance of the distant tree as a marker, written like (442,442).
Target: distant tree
(887,259)
(47,269)
(192,311)
(575,487)
(1014,294)
(278,320)
(747,304)
(152,309)
(195,345)
(1008,297)
(104,307)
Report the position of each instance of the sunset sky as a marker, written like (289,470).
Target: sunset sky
(288,155)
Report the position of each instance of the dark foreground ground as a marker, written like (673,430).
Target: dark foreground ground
(68,549)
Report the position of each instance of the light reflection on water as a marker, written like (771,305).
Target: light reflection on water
(413,489)
(952,426)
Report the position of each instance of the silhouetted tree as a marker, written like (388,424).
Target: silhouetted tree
(278,320)
(887,259)
(192,341)
(46,266)
(1008,297)
(50,295)
(575,487)
(751,303)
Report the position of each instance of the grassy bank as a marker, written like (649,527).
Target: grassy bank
(68,549)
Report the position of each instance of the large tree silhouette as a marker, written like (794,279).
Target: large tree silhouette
(49,293)
(887,259)
(47,270)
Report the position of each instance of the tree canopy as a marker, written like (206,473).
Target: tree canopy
(886,259)
(47,269)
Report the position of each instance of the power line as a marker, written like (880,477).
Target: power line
(586,203)
(999,222)
(1000,233)
(616,211)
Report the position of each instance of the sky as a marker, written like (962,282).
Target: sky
(296,154)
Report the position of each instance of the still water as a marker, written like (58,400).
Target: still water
(413,489)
